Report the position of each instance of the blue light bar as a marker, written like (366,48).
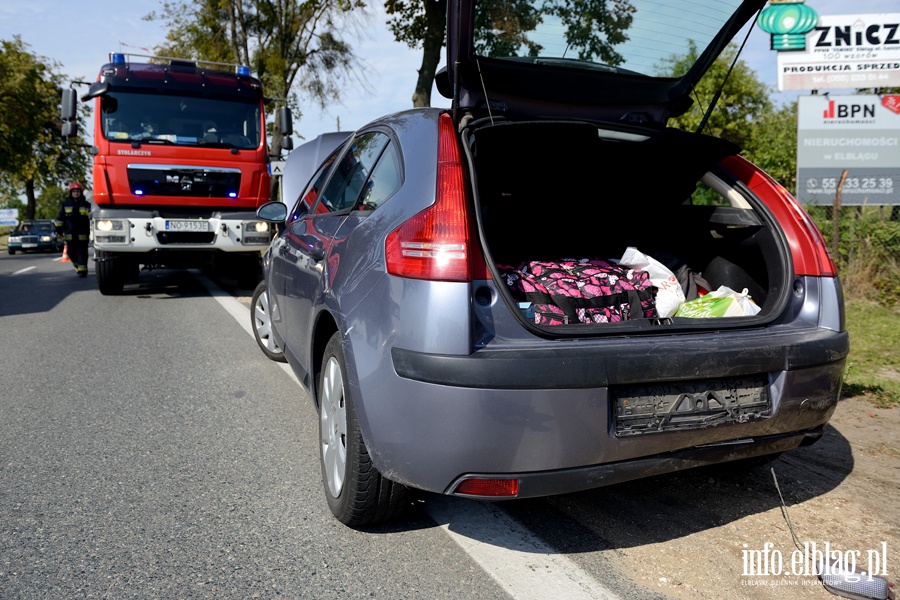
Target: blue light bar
(232,194)
(118,59)
(242,70)
(138,192)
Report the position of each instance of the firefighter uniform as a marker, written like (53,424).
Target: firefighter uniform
(74,221)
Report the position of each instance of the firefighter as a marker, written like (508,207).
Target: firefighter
(74,221)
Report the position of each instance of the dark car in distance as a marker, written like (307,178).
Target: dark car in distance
(386,291)
(34,236)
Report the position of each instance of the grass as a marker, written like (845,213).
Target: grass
(873,370)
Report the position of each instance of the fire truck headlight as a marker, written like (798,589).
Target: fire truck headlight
(255,232)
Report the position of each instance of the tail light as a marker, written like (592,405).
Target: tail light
(808,249)
(436,244)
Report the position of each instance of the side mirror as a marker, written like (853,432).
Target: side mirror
(68,109)
(69,129)
(99,88)
(443,83)
(285,121)
(273,212)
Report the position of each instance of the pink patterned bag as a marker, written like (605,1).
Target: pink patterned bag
(581,291)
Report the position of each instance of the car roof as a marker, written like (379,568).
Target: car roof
(537,59)
(302,162)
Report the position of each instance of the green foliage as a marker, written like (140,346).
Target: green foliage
(291,46)
(33,154)
(867,253)
(772,144)
(742,105)
(48,202)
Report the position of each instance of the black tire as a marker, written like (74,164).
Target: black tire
(11,251)
(358,495)
(261,323)
(110,275)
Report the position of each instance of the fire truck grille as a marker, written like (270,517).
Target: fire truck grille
(184,181)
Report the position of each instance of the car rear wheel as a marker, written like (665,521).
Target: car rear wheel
(357,493)
(261,317)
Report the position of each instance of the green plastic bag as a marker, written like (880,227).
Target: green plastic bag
(723,302)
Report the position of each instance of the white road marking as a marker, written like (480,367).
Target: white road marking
(25,270)
(525,567)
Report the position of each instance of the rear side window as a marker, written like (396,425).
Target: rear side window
(384,181)
(352,172)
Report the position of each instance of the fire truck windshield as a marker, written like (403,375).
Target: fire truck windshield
(180,120)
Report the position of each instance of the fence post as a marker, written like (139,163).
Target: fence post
(836,218)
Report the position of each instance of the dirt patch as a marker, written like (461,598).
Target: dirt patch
(691,535)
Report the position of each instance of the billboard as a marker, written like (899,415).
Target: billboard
(857,133)
(9,217)
(843,52)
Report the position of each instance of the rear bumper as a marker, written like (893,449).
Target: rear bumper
(548,483)
(573,366)
(547,418)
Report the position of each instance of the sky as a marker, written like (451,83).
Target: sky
(79,35)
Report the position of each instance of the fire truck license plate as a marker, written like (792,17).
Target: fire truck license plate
(187,226)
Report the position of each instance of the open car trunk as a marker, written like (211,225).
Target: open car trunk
(547,191)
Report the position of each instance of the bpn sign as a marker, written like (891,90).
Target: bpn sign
(859,134)
(840,110)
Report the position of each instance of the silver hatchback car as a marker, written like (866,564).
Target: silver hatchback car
(388,286)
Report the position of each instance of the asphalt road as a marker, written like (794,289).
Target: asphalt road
(148,449)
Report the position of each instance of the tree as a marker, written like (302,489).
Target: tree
(742,104)
(287,44)
(420,24)
(33,154)
(593,29)
(772,144)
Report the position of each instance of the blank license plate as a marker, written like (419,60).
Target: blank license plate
(187,226)
(655,408)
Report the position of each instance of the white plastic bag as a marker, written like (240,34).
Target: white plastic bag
(669,295)
(724,302)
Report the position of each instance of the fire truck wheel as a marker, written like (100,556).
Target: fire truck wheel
(110,275)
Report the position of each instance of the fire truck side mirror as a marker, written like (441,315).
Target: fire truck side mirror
(98,88)
(68,110)
(285,121)
(69,129)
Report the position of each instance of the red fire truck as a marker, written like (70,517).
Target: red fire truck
(180,166)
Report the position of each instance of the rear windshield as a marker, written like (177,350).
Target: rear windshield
(659,38)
